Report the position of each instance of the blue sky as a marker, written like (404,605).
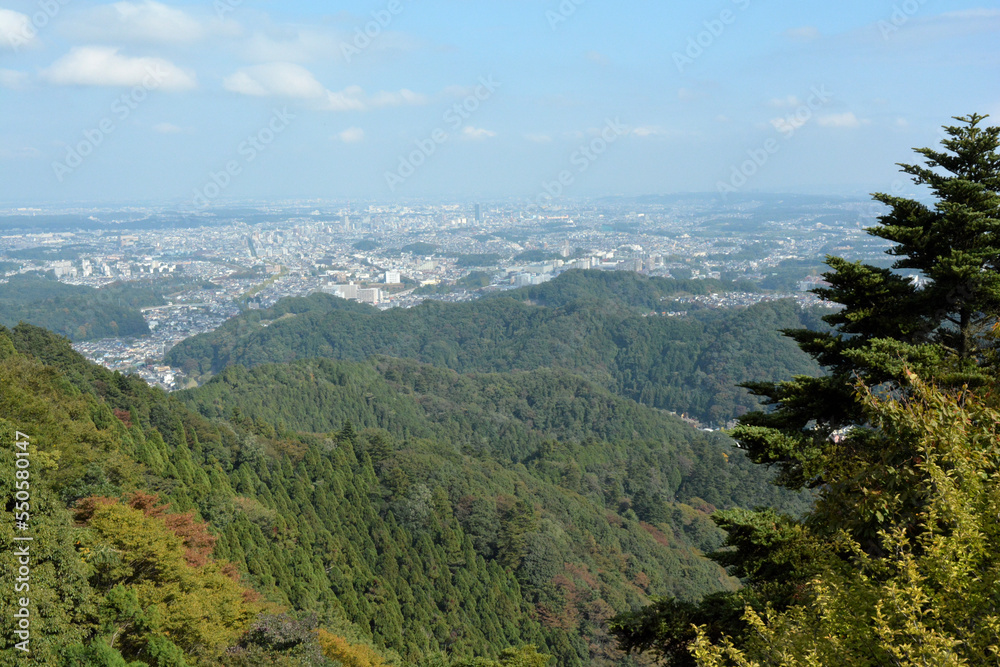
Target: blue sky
(223,100)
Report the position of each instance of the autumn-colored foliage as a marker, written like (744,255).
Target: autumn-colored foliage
(123,415)
(197,540)
(348,654)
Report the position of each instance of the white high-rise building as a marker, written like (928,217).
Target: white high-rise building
(372,295)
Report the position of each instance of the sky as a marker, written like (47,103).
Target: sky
(201,104)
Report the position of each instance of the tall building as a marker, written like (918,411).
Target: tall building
(479,213)
(372,295)
(392,277)
(349,291)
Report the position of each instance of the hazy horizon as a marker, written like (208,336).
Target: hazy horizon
(201,105)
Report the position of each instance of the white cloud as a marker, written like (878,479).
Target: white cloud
(459,91)
(789,124)
(805,33)
(785,102)
(144,22)
(689,95)
(308,44)
(167,128)
(12,79)
(290,45)
(352,135)
(294,81)
(476,133)
(403,98)
(348,99)
(354,98)
(15,29)
(104,66)
(538,138)
(275,79)
(649,131)
(841,120)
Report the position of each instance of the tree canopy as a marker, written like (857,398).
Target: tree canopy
(592,323)
(368,513)
(899,440)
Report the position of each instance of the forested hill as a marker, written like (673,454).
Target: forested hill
(590,325)
(74,311)
(619,289)
(531,417)
(405,539)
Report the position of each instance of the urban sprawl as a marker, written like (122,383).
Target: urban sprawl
(399,256)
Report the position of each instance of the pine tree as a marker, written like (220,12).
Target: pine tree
(887,324)
(874,495)
(957,243)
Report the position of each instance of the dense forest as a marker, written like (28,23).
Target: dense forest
(329,512)
(591,323)
(77,312)
(623,290)
(84,313)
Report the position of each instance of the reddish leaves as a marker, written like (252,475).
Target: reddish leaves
(194,533)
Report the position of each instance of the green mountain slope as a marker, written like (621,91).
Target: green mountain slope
(77,312)
(537,418)
(594,481)
(591,327)
(95,434)
(407,536)
(618,289)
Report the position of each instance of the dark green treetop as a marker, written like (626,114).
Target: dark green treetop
(956,244)
(821,433)
(943,331)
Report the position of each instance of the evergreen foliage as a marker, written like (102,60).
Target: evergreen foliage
(930,597)
(875,573)
(416,515)
(80,313)
(591,323)
(944,331)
